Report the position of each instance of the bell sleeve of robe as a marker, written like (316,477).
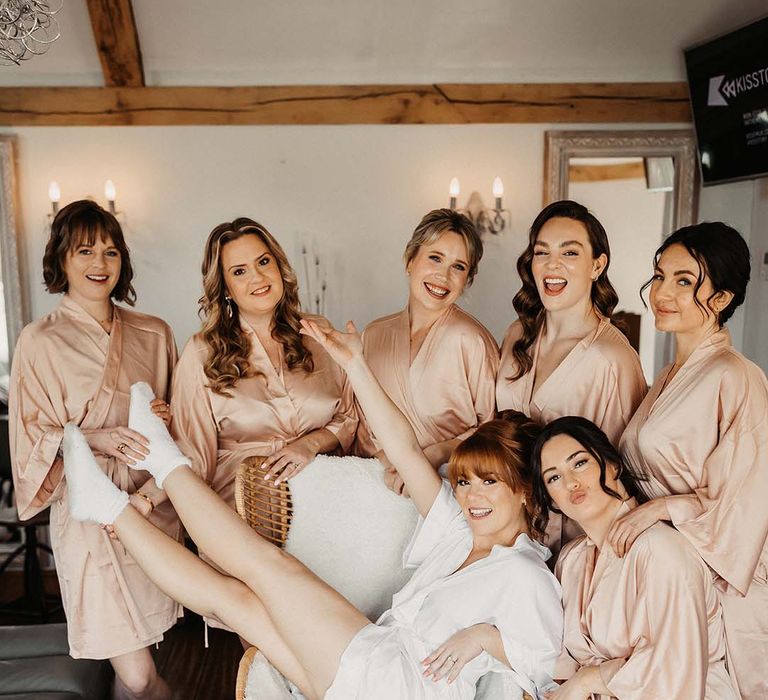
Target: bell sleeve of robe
(666,615)
(726,519)
(35,431)
(194,425)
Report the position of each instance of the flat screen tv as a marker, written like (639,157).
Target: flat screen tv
(728,83)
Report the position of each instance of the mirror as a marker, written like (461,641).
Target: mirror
(641,185)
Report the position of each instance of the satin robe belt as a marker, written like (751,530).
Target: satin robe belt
(255,448)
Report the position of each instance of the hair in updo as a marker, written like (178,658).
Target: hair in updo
(594,441)
(81,223)
(501,449)
(527,301)
(439,221)
(722,255)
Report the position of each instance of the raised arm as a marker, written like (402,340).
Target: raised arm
(390,426)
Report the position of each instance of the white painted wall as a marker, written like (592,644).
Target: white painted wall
(359,190)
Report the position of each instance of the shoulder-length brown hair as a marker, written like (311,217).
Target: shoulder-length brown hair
(501,448)
(527,301)
(229,346)
(80,223)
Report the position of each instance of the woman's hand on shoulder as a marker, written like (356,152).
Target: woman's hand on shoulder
(626,530)
(342,347)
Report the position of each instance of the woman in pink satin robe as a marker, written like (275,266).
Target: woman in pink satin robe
(436,362)
(563,356)
(248,384)
(77,365)
(646,625)
(702,434)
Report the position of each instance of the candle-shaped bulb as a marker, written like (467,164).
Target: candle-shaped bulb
(54,194)
(498,191)
(453,191)
(111,194)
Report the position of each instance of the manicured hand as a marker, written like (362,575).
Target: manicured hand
(342,347)
(161,409)
(449,658)
(289,461)
(126,445)
(581,686)
(626,530)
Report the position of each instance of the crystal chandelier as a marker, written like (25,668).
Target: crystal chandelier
(27,28)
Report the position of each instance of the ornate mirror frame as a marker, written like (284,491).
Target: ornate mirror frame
(14,296)
(679,144)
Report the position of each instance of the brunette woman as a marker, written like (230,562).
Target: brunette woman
(436,362)
(248,384)
(563,356)
(481,598)
(648,625)
(76,365)
(702,433)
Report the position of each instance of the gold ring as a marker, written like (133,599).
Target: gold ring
(122,447)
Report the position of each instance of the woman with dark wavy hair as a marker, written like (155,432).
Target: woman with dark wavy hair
(648,625)
(248,384)
(435,361)
(76,365)
(702,433)
(563,356)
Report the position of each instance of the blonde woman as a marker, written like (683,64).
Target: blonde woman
(248,383)
(436,362)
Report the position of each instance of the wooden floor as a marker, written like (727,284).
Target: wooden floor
(192,671)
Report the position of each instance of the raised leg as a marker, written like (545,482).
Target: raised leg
(136,677)
(316,622)
(199,587)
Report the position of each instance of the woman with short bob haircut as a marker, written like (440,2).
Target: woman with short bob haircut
(436,362)
(563,356)
(647,625)
(480,599)
(702,434)
(248,384)
(77,365)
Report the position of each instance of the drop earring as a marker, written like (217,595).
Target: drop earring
(228,301)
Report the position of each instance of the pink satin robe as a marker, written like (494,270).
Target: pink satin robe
(448,389)
(600,379)
(66,368)
(263,413)
(704,440)
(652,620)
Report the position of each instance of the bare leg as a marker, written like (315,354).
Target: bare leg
(199,587)
(136,677)
(316,622)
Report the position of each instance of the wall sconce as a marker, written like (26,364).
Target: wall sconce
(54,194)
(486,220)
(110,194)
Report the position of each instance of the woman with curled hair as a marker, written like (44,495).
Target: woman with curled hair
(480,600)
(248,384)
(646,625)
(76,365)
(702,434)
(563,356)
(435,361)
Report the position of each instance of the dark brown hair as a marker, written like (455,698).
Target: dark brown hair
(229,346)
(722,255)
(594,441)
(527,301)
(80,223)
(440,221)
(501,448)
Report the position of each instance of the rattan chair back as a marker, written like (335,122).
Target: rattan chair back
(265,507)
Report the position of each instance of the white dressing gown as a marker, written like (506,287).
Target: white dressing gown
(511,589)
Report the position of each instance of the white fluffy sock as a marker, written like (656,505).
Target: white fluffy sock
(164,456)
(92,496)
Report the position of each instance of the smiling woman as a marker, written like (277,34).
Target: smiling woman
(563,356)
(77,365)
(435,361)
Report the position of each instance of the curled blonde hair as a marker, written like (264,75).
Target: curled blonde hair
(229,346)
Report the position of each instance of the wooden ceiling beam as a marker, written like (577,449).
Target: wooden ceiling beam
(572,103)
(117,41)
